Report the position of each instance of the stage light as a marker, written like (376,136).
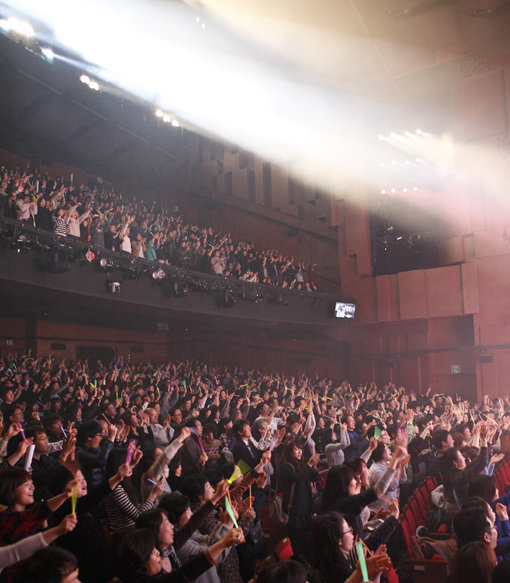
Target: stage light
(48,53)
(16,25)
(85,79)
(383,191)
(113,287)
(393,190)
(158,113)
(175,123)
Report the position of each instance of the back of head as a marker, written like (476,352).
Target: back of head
(473,563)
(193,486)
(283,572)
(484,487)
(174,505)
(136,550)
(337,485)
(49,565)
(470,525)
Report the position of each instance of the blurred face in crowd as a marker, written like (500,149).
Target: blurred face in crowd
(165,532)
(346,541)
(41,443)
(351,424)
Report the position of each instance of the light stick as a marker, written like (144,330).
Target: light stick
(153,482)
(74,498)
(130,450)
(28,456)
(22,432)
(230,512)
(362,562)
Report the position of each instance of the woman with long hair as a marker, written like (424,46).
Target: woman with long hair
(140,559)
(333,551)
(457,475)
(295,481)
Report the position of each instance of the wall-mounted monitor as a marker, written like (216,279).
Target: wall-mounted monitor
(344,310)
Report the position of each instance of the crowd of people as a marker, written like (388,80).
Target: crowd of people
(105,219)
(137,472)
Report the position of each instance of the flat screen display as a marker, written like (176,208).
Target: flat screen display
(343,310)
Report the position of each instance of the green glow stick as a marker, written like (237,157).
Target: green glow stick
(228,508)
(377,432)
(74,499)
(362,562)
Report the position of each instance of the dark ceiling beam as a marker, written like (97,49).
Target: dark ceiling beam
(81,130)
(36,105)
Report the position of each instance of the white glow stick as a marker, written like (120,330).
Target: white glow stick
(28,456)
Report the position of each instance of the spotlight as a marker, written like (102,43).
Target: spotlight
(175,123)
(158,275)
(85,79)
(16,25)
(113,287)
(48,53)
(106,263)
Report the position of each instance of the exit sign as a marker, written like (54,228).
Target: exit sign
(455,368)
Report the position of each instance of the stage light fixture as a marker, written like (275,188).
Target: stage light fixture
(13,24)
(113,287)
(48,53)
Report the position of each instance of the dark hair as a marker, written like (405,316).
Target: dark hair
(50,419)
(49,565)
(337,485)
(483,486)
(10,479)
(326,532)
(438,437)
(470,525)
(473,563)
(286,455)
(87,430)
(356,463)
(191,422)
(378,452)
(239,426)
(193,486)
(136,550)
(34,431)
(151,519)
(175,505)
(283,572)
